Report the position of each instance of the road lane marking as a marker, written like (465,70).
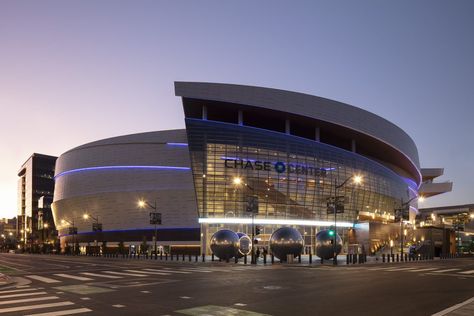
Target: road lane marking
(127,274)
(167,271)
(421,270)
(64,312)
(195,270)
(102,275)
(118,305)
(42,279)
(400,269)
(147,272)
(16,291)
(23,294)
(74,277)
(29,307)
(445,270)
(467,272)
(26,300)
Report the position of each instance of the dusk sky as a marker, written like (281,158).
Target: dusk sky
(72,72)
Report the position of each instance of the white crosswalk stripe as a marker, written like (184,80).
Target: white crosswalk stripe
(42,279)
(64,312)
(22,294)
(467,272)
(31,307)
(74,277)
(27,300)
(102,275)
(422,270)
(399,269)
(195,270)
(126,274)
(148,272)
(17,291)
(167,271)
(445,270)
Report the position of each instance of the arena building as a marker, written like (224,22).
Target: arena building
(289,157)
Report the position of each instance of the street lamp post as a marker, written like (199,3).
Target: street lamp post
(73,231)
(357,179)
(96,228)
(400,211)
(155,218)
(253,208)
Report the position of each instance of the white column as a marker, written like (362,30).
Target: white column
(204,112)
(241,118)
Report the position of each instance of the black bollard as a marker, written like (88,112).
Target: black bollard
(348,257)
(354,258)
(212,257)
(236,260)
(203,257)
(273,259)
(196,258)
(171,257)
(398,258)
(264,258)
(183,256)
(299,259)
(245,259)
(166,256)
(322,261)
(383,258)
(310,258)
(161,255)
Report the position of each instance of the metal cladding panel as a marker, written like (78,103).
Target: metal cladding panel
(306,105)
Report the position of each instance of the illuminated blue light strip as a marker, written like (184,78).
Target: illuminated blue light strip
(120,168)
(177,144)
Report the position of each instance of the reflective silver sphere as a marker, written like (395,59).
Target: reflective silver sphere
(285,241)
(325,244)
(224,244)
(245,245)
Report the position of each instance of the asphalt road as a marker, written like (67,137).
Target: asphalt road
(59,285)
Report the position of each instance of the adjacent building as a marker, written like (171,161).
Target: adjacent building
(294,157)
(35,224)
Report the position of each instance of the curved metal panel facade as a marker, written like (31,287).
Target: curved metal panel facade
(331,111)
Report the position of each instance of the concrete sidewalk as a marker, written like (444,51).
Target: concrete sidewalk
(465,308)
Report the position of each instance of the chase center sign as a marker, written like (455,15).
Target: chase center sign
(279,167)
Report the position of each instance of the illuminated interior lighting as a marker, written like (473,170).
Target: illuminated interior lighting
(266,221)
(177,144)
(120,168)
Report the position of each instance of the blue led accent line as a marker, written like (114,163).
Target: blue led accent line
(177,144)
(119,168)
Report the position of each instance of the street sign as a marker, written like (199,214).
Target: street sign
(96,227)
(155,218)
(252,204)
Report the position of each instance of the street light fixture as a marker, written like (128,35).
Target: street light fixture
(357,180)
(155,218)
(96,226)
(253,208)
(72,231)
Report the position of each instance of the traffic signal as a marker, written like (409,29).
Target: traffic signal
(331,232)
(258,230)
